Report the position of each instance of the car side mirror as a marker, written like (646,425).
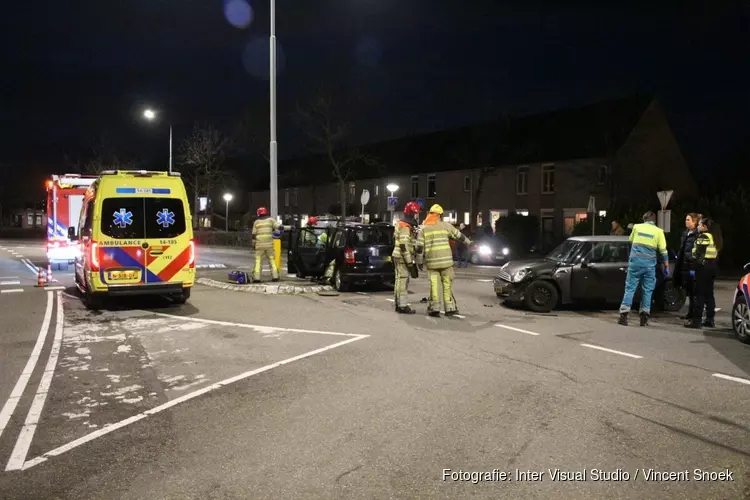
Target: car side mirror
(72,233)
(584,263)
(747,267)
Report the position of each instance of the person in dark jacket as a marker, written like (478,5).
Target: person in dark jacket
(684,261)
(462,249)
(706,251)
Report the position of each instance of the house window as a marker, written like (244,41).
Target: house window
(601,177)
(602,213)
(415,186)
(286,197)
(467,218)
(522,180)
(548,179)
(467,184)
(38,221)
(295,197)
(377,189)
(525,213)
(431,186)
(30,220)
(352,191)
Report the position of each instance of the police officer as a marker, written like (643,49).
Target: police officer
(705,253)
(434,251)
(647,241)
(404,241)
(263,229)
(684,271)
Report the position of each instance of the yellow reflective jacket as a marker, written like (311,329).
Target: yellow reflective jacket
(434,243)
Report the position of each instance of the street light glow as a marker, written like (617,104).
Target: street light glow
(227,197)
(392,187)
(149,114)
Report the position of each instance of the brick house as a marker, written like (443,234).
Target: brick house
(620,151)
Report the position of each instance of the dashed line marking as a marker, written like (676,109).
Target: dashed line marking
(484,281)
(391,300)
(621,353)
(54,288)
(10,282)
(733,379)
(516,329)
(12,290)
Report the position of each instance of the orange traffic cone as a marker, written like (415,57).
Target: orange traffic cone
(49,274)
(40,282)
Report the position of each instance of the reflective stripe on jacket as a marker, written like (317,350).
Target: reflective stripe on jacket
(263,232)
(648,241)
(434,240)
(403,236)
(705,248)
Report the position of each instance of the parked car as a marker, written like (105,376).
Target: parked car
(362,253)
(741,308)
(581,269)
(489,250)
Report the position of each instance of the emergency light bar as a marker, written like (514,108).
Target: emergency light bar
(74,180)
(141,173)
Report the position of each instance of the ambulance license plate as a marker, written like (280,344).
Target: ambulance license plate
(123,275)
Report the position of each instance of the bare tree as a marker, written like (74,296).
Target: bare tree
(329,136)
(203,155)
(103,155)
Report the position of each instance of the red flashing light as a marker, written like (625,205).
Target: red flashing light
(191,262)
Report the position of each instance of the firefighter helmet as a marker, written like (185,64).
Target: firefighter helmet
(311,221)
(412,208)
(436,209)
(262,211)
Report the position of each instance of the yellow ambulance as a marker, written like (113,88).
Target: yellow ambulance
(136,237)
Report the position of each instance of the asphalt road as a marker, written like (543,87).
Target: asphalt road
(238,395)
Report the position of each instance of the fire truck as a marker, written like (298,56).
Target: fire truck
(64,201)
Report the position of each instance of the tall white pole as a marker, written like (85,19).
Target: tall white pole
(170,148)
(227,216)
(273,157)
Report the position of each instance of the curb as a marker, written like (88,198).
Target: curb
(274,289)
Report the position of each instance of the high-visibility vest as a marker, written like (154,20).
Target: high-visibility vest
(263,232)
(647,242)
(403,235)
(434,240)
(705,241)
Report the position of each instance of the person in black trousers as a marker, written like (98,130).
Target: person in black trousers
(705,254)
(684,261)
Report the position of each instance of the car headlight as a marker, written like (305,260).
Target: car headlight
(485,250)
(520,275)
(506,251)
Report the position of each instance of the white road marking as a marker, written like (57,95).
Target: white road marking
(391,300)
(18,456)
(31,267)
(516,329)
(733,379)
(8,277)
(485,281)
(459,316)
(717,309)
(10,282)
(612,351)
(12,290)
(187,397)
(54,288)
(262,329)
(23,380)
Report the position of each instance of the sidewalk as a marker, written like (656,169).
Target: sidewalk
(287,285)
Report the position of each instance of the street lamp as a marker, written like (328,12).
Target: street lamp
(273,146)
(150,115)
(227,198)
(392,188)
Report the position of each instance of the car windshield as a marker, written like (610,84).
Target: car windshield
(373,236)
(566,251)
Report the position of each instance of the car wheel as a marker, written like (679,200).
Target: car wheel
(93,301)
(474,259)
(541,296)
(741,320)
(673,297)
(181,298)
(338,283)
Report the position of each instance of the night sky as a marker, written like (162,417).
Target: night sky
(74,70)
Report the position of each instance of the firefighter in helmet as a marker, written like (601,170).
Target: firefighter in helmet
(308,238)
(263,229)
(404,256)
(434,252)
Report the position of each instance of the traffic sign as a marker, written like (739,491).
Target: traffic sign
(592,205)
(664,197)
(665,220)
(420,202)
(392,202)
(365,198)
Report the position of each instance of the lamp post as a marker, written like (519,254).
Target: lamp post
(150,115)
(392,188)
(227,199)
(273,146)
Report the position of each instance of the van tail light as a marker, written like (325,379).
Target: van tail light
(349,255)
(94,256)
(191,261)
(52,244)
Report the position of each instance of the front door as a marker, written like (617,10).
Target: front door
(310,251)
